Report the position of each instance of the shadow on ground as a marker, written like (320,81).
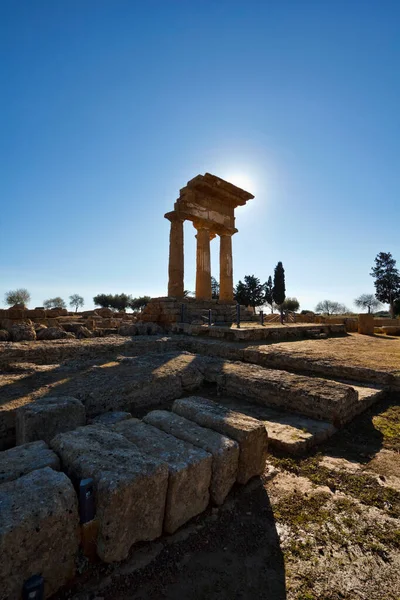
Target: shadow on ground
(233,552)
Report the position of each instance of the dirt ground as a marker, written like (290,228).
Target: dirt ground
(380,352)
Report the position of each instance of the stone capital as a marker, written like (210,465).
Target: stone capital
(174,216)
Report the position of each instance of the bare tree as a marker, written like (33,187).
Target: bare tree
(367,301)
(76,301)
(329,307)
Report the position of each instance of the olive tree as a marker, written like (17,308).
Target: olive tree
(76,301)
(56,302)
(19,296)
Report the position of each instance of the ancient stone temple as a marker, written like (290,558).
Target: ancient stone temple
(209,202)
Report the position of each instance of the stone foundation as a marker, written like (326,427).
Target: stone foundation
(167,311)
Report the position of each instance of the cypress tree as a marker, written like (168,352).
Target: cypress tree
(279,290)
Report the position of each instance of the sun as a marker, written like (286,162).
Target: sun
(241,180)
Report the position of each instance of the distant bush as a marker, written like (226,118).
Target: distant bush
(291,305)
(138,304)
(118,302)
(56,302)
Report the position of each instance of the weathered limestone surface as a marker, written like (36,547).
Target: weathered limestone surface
(138,381)
(391,329)
(203,263)
(287,432)
(110,418)
(21,460)
(22,331)
(130,486)
(366,324)
(44,418)
(176,259)
(225,268)
(225,452)
(38,531)
(310,396)
(189,470)
(53,352)
(248,432)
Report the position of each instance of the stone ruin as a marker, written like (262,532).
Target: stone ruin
(209,203)
(21,324)
(159,427)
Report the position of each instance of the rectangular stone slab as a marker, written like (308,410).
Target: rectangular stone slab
(21,460)
(130,486)
(44,418)
(189,470)
(287,432)
(225,452)
(310,396)
(250,433)
(38,531)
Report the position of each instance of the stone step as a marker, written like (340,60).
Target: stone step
(248,432)
(225,452)
(314,397)
(326,399)
(367,396)
(189,470)
(287,432)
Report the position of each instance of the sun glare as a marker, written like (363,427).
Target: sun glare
(241,180)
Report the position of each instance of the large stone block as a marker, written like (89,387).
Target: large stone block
(38,531)
(189,470)
(44,418)
(21,460)
(225,452)
(366,324)
(130,486)
(311,396)
(250,433)
(22,331)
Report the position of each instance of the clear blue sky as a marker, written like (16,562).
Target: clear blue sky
(107,108)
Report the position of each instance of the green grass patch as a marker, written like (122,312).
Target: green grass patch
(361,486)
(388,423)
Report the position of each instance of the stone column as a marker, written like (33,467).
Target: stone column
(203,264)
(225,268)
(176,261)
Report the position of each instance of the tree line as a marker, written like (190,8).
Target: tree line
(251,292)
(387,290)
(23,297)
